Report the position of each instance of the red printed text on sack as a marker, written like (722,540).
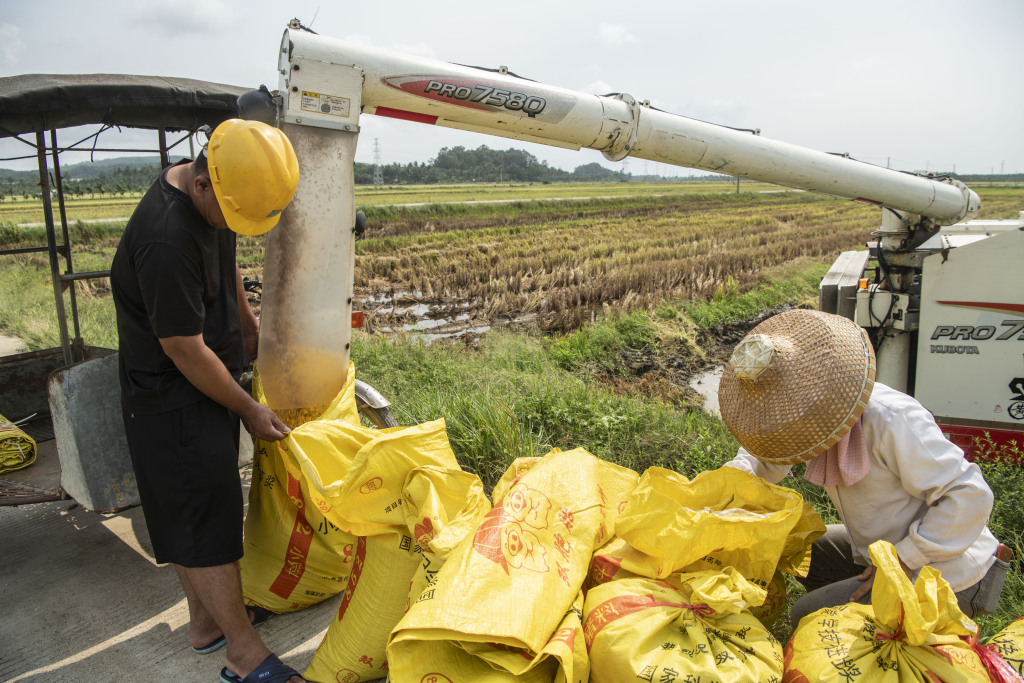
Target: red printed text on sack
(298,548)
(612,610)
(353,580)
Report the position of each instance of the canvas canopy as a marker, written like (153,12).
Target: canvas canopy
(39,102)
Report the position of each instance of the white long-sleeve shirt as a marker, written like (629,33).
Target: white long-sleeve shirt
(921,495)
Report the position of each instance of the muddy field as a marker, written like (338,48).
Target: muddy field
(557,267)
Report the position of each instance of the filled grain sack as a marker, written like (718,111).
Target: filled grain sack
(722,518)
(440,505)
(506,604)
(690,626)
(294,556)
(909,632)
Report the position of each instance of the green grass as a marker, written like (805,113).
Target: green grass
(79,232)
(600,346)
(510,398)
(381,201)
(406,194)
(28,310)
(27,307)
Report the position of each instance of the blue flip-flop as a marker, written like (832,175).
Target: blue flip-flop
(212,646)
(270,670)
(260,616)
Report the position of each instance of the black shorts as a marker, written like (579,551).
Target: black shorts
(186,465)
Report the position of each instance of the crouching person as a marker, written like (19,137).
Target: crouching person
(800,388)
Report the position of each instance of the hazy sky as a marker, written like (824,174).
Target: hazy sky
(919,84)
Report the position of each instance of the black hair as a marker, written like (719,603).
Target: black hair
(200,165)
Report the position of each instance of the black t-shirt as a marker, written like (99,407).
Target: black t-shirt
(173,275)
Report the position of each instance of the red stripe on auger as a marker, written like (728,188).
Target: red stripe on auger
(406,115)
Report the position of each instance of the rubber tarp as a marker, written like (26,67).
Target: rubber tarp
(17,449)
(39,102)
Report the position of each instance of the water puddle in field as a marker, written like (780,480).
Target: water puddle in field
(706,384)
(430,318)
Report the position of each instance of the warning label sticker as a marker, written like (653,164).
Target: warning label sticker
(325,104)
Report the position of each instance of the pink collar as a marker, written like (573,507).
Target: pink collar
(844,464)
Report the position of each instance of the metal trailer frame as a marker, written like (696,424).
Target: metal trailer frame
(33,108)
(30,107)
(38,104)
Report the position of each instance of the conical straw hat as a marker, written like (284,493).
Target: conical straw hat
(796,385)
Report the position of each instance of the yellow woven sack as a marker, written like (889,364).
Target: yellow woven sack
(723,518)
(294,556)
(774,605)
(691,627)
(384,479)
(562,659)
(606,565)
(365,496)
(313,492)
(910,632)
(353,646)
(1009,643)
(503,596)
(516,471)
(17,449)
(442,507)
(569,646)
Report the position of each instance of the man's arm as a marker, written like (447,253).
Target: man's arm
(250,324)
(207,373)
(744,461)
(934,470)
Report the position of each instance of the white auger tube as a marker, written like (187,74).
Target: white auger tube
(318,75)
(306,311)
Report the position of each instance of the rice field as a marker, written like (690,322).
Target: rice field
(445,268)
(559,267)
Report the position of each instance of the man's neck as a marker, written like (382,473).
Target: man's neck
(180,177)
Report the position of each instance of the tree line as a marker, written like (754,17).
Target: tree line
(482,165)
(451,165)
(81,180)
(134,175)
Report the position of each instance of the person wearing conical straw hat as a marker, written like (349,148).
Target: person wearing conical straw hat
(800,389)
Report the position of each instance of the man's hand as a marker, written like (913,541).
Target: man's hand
(262,423)
(868,579)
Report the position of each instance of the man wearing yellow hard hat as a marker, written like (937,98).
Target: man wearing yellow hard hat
(185,328)
(800,388)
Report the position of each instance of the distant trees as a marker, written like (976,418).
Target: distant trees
(597,172)
(119,180)
(481,165)
(134,175)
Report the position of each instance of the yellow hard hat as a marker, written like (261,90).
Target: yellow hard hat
(253,171)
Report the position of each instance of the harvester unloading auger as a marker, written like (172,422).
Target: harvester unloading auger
(943,325)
